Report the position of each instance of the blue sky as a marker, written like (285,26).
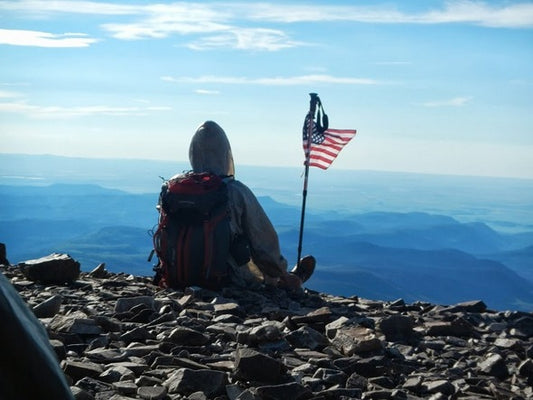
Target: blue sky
(431,86)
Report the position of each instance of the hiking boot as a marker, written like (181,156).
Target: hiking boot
(305,268)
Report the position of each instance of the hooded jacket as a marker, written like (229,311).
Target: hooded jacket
(210,151)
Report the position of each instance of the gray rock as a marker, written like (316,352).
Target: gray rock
(397,328)
(307,337)
(330,376)
(136,367)
(357,381)
(117,373)
(152,392)
(474,306)
(138,350)
(439,386)
(108,324)
(229,308)
(526,368)
(127,303)
(285,391)
(81,369)
(266,332)
(94,387)
(334,393)
(76,323)
(188,336)
(187,381)
(52,269)
(59,348)
(48,308)
(80,394)
(138,334)
(356,340)
(99,271)
(372,366)
(524,325)
(332,327)
(254,366)
(105,356)
(125,388)
(458,327)
(494,365)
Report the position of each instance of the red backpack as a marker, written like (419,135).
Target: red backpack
(193,237)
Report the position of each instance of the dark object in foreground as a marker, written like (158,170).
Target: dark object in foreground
(29,367)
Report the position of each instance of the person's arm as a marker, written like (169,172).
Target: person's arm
(257,228)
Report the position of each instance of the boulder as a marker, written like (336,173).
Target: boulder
(53,269)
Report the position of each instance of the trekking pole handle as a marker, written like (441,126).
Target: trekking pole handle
(313,102)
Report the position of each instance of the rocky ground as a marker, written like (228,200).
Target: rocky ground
(119,337)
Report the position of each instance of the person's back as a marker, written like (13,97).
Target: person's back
(255,252)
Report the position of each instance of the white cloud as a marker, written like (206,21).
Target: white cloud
(488,14)
(37,111)
(246,39)
(158,29)
(42,8)
(276,81)
(11,84)
(485,13)
(393,63)
(205,91)
(231,25)
(17,37)
(518,15)
(7,94)
(455,102)
(243,25)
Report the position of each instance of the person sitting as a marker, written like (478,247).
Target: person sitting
(210,151)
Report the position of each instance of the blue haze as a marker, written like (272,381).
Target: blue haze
(380,235)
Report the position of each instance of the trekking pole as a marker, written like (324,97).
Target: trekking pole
(312,108)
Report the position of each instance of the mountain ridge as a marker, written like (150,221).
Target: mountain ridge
(112,226)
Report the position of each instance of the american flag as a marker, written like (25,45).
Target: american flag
(324,147)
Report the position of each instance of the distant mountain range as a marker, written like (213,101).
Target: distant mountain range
(416,256)
(380,235)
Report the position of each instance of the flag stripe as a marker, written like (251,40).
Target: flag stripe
(333,150)
(325,152)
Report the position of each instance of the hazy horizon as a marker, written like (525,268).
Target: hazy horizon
(185,164)
(504,203)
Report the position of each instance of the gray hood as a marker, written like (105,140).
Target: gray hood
(210,150)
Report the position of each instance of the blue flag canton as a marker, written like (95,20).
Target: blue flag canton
(317,137)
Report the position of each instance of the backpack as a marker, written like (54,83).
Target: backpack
(193,238)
